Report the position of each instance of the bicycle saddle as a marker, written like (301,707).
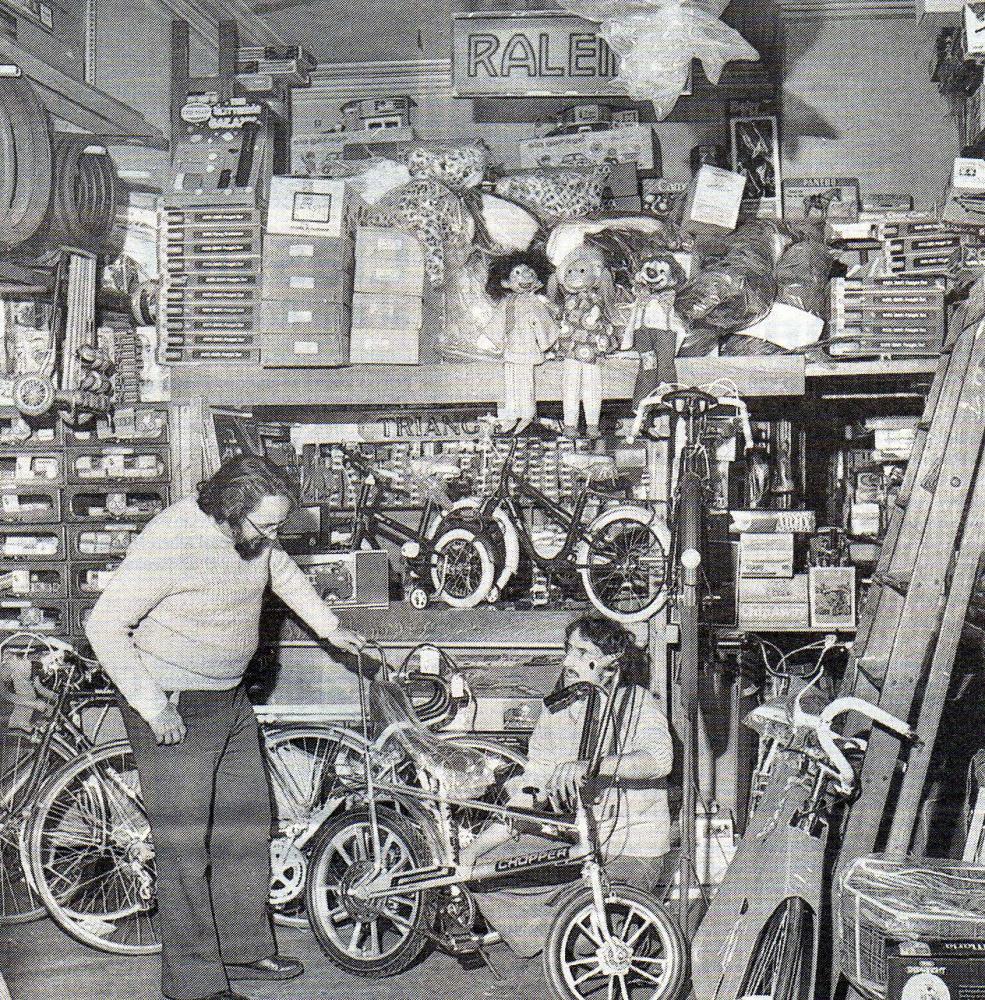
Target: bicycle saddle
(462,772)
(589,463)
(424,467)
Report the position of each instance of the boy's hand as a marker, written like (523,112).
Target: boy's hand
(563,783)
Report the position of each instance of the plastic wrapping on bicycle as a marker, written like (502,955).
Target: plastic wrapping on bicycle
(462,772)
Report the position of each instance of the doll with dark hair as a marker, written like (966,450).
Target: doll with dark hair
(529,330)
(654,328)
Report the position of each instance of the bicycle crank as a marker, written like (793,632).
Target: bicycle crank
(288,871)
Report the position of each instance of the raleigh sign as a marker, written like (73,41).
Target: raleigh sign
(538,55)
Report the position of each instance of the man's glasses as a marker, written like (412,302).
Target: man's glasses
(267,530)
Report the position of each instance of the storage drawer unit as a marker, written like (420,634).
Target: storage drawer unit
(35,614)
(88,579)
(144,424)
(22,468)
(33,543)
(34,580)
(93,542)
(118,463)
(30,505)
(106,503)
(78,615)
(16,432)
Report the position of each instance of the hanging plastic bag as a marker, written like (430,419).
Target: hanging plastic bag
(474,326)
(657,39)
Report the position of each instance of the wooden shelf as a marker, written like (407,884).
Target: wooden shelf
(481,381)
(80,104)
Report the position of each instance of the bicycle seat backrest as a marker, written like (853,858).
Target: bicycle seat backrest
(461,772)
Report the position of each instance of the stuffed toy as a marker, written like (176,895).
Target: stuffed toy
(587,334)
(529,330)
(653,328)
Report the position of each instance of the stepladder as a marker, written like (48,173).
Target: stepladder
(771,906)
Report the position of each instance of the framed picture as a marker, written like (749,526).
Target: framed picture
(832,596)
(756,155)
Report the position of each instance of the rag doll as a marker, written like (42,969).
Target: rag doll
(529,330)
(654,329)
(587,335)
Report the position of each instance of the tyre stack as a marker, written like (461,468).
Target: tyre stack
(25,162)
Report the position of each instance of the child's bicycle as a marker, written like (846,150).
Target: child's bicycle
(385,880)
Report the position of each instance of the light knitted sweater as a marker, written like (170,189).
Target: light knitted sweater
(182,612)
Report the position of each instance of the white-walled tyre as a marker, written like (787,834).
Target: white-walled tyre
(462,568)
(508,561)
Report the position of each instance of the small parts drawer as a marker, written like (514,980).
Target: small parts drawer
(141,463)
(36,614)
(131,425)
(16,432)
(30,468)
(78,616)
(30,505)
(91,543)
(39,580)
(86,503)
(34,543)
(89,579)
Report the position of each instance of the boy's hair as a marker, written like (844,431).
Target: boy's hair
(614,640)
(239,485)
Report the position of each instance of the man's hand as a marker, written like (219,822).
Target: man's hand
(344,638)
(563,783)
(168,726)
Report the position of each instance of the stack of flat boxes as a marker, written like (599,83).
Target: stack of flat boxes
(388,301)
(892,316)
(211,265)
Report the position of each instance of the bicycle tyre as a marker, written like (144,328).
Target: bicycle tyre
(91,855)
(781,964)
(30,164)
(302,768)
(404,847)
(508,561)
(19,900)
(640,924)
(462,568)
(624,563)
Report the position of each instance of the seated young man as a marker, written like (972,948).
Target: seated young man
(634,820)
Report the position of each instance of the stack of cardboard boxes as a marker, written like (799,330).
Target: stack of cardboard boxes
(388,301)
(307,273)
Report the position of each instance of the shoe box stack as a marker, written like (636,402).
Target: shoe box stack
(891,316)
(308,273)
(212,251)
(72,502)
(388,300)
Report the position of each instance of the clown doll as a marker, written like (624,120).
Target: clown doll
(529,330)
(653,328)
(587,335)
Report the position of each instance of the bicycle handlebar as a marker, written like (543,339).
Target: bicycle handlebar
(669,395)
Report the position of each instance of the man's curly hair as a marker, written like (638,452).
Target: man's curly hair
(239,485)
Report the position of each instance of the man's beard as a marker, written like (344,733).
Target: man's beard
(249,549)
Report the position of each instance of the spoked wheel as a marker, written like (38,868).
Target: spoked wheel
(624,564)
(462,568)
(366,937)
(302,763)
(504,534)
(19,900)
(645,955)
(782,965)
(91,854)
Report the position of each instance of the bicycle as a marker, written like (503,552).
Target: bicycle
(620,554)
(768,913)
(88,843)
(59,723)
(453,562)
(386,879)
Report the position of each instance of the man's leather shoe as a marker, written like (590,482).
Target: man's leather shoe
(276,967)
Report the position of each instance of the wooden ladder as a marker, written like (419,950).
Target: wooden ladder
(902,659)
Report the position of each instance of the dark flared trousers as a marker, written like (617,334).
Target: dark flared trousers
(208,801)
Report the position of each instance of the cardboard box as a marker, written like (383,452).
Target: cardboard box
(965,202)
(381,311)
(628,144)
(384,347)
(714,198)
(303,350)
(820,199)
(832,596)
(298,267)
(774,615)
(388,260)
(792,590)
(769,555)
(312,206)
(766,521)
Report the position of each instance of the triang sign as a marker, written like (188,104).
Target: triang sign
(530,55)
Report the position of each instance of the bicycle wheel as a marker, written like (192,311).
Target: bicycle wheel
(373,938)
(462,569)
(19,901)
(782,965)
(508,559)
(644,957)
(91,855)
(624,563)
(302,764)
